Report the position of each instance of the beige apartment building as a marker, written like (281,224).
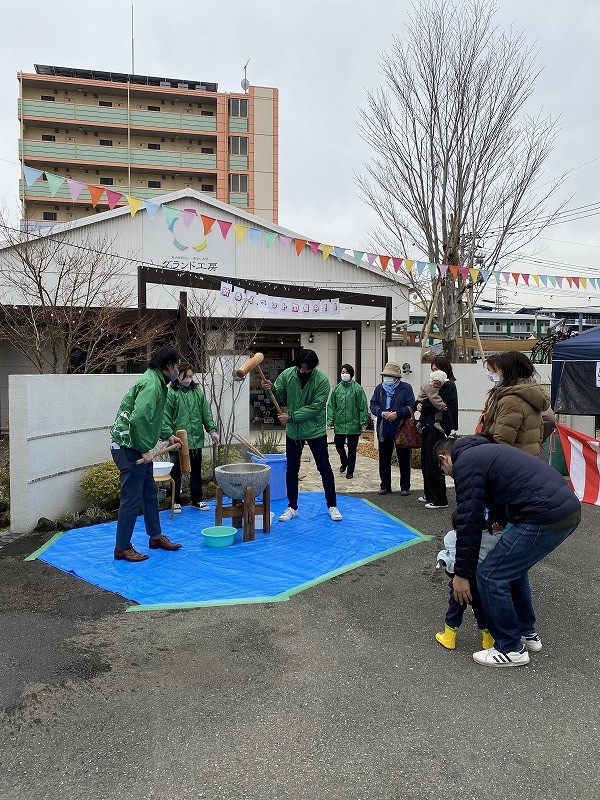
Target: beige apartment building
(144,136)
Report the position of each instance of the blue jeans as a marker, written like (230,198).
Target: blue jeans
(293,451)
(137,489)
(503,582)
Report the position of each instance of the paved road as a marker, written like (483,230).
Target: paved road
(340,693)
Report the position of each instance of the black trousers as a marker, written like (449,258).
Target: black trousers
(195,475)
(456,611)
(293,451)
(434,479)
(347,460)
(386,448)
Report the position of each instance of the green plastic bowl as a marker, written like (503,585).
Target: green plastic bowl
(219,535)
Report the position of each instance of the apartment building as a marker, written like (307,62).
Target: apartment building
(144,136)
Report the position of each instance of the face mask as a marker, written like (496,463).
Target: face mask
(185,382)
(388,380)
(495,378)
(173,376)
(345,376)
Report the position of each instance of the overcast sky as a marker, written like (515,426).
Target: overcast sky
(322,55)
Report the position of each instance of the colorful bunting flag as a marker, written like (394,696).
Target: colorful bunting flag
(285,241)
(300,245)
(384,261)
(75,188)
(112,198)
(339,252)
(207,223)
(171,215)
(224,226)
(96,193)
(31,175)
(314,247)
(240,232)
(54,183)
(326,248)
(358,257)
(151,208)
(135,203)
(270,237)
(187,216)
(397,262)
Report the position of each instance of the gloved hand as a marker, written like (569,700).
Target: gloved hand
(215,437)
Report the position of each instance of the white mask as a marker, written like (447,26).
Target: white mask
(185,382)
(388,380)
(345,376)
(494,377)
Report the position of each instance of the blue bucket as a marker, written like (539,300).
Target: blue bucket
(219,535)
(278,464)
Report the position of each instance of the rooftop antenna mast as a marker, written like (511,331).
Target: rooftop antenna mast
(246,82)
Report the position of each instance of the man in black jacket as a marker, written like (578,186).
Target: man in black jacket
(541,511)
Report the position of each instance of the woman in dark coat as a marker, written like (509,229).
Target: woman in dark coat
(434,481)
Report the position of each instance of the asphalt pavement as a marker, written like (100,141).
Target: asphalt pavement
(341,692)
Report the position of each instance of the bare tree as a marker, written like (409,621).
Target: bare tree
(66,305)
(458,160)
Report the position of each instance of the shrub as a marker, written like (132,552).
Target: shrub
(269,442)
(102,486)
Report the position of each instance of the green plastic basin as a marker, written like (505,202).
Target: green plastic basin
(219,535)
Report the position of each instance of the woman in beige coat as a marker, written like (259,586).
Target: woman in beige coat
(513,410)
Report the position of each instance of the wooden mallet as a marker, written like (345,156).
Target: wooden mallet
(159,453)
(251,364)
(184,454)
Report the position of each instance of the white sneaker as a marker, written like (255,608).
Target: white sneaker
(422,499)
(288,514)
(334,513)
(532,642)
(494,658)
(177,508)
(433,505)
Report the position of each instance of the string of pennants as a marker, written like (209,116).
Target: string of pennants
(242,298)
(386,262)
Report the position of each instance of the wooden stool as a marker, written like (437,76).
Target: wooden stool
(243,512)
(163,479)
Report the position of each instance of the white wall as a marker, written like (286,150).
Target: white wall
(59,426)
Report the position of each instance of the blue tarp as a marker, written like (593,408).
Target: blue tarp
(293,556)
(576,374)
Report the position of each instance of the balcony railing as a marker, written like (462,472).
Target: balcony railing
(237,163)
(238,124)
(238,199)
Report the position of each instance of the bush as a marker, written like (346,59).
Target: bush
(102,486)
(269,442)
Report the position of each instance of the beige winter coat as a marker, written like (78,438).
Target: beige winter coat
(513,415)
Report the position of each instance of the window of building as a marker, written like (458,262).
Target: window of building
(50,216)
(153,146)
(202,113)
(238,107)
(106,142)
(207,150)
(238,183)
(153,108)
(48,137)
(106,181)
(48,97)
(154,184)
(238,145)
(208,187)
(105,103)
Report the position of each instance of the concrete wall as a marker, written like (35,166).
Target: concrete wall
(59,426)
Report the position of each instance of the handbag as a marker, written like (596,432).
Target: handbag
(408,435)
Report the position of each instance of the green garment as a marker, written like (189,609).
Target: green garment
(139,418)
(187,409)
(305,406)
(347,409)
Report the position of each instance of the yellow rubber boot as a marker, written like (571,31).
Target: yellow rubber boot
(448,638)
(487,640)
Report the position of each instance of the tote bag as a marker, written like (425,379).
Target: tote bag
(407,434)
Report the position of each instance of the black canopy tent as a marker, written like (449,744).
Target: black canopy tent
(576,375)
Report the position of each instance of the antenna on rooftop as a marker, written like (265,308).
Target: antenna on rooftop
(246,82)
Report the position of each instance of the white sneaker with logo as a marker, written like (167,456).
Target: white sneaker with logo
(494,658)
(177,508)
(532,642)
(288,514)
(334,513)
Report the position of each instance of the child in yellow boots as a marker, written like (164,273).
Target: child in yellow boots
(456,611)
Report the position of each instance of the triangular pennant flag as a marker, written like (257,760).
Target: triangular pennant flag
(464,273)
(485,274)
(135,203)
(285,241)
(358,256)
(433,268)
(453,271)
(525,277)
(54,182)
(240,231)
(151,208)
(371,258)
(75,188)
(326,248)
(31,175)
(544,280)
(270,237)
(409,264)
(474,273)
(397,262)
(582,281)
(96,193)
(552,280)
(171,215)
(187,216)
(420,267)
(497,277)
(201,246)
(255,234)
(339,252)
(443,270)
(314,246)
(112,197)
(506,276)
(559,281)
(571,281)
(592,282)
(384,261)
(536,278)
(300,244)
(207,223)
(515,277)
(224,226)
(179,245)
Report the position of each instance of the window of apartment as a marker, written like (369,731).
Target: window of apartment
(153,146)
(106,142)
(48,97)
(106,181)
(238,145)
(105,103)
(238,183)
(208,187)
(48,137)
(238,107)
(202,113)
(207,150)
(50,216)
(154,184)
(153,108)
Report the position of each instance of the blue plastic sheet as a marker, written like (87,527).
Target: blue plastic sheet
(293,556)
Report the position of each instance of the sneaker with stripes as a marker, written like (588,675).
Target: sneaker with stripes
(494,658)
(532,642)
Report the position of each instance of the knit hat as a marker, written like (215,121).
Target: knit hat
(392,369)
(438,375)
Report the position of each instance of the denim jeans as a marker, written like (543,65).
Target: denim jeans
(137,489)
(504,584)
(293,451)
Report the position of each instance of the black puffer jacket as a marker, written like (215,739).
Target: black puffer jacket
(515,487)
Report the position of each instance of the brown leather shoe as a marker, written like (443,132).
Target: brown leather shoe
(129,555)
(162,542)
